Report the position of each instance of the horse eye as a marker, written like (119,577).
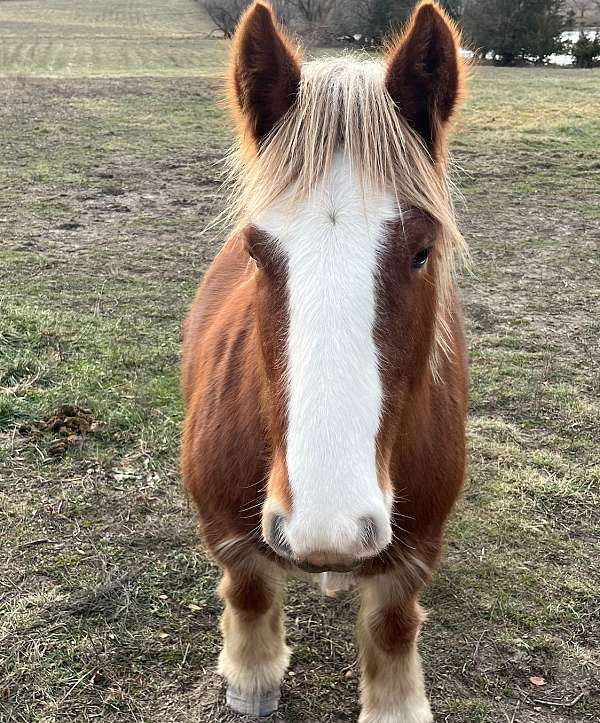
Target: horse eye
(420,258)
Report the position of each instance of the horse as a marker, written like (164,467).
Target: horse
(324,366)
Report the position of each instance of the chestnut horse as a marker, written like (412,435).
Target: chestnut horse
(324,364)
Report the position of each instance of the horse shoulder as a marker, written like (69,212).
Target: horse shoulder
(223,441)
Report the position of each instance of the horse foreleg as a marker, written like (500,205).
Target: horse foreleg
(392,684)
(254,656)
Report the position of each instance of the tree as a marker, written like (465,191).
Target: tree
(314,11)
(543,34)
(372,19)
(322,20)
(515,29)
(454,8)
(225,14)
(585,51)
(584,12)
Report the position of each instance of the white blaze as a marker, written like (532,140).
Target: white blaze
(332,241)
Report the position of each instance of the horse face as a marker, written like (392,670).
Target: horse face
(345,305)
(345,309)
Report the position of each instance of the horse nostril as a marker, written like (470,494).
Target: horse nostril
(368,532)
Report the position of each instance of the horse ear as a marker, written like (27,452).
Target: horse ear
(264,71)
(424,73)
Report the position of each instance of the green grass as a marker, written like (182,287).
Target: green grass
(112,136)
(74,38)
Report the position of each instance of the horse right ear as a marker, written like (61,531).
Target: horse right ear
(264,72)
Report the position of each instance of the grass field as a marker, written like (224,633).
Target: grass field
(111,138)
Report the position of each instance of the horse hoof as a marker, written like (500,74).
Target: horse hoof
(257,705)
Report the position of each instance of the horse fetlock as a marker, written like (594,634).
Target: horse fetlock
(252,677)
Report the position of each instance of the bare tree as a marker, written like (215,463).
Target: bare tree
(585,13)
(321,20)
(285,10)
(225,14)
(314,11)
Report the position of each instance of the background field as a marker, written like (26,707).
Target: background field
(110,144)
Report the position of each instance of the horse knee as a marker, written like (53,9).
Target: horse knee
(248,592)
(394,628)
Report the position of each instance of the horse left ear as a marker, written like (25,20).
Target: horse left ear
(264,71)
(424,73)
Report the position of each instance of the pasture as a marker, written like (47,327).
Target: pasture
(111,137)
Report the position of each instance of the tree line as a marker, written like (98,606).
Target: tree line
(511,31)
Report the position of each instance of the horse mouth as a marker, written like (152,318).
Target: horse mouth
(347,567)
